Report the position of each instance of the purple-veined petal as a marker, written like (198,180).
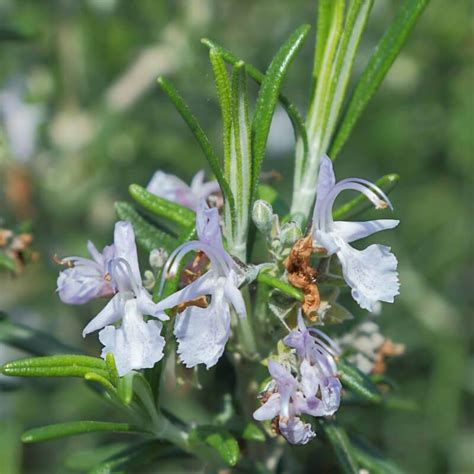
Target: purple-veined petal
(112,312)
(371,273)
(136,344)
(295,431)
(351,231)
(269,409)
(202,333)
(331,394)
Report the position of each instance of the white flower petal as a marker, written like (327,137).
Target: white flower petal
(148,307)
(350,231)
(125,247)
(326,241)
(136,344)
(202,333)
(371,273)
(233,295)
(112,312)
(204,285)
(269,409)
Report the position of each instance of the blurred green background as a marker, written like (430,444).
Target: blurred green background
(81,117)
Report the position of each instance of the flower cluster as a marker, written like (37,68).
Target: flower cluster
(130,324)
(315,391)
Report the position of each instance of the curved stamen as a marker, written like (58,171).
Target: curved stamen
(324,220)
(334,349)
(373,187)
(178,254)
(122,274)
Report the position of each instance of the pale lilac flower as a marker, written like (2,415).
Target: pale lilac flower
(371,273)
(318,368)
(86,279)
(287,402)
(203,332)
(169,186)
(135,344)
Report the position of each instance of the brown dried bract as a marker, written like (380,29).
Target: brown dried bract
(191,273)
(303,276)
(387,349)
(200,302)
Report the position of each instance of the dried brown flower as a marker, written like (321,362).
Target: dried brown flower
(303,276)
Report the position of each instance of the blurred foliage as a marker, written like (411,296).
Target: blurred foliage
(83,75)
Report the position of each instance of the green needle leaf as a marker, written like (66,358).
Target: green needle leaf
(253,433)
(268,97)
(280,285)
(125,388)
(61,430)
(258,76)
(360,203)
(353,379)
(201,137)
(162,207)
(148,236)
(223,91)
(222,441)
(377,67)
(56,366)
(341,445)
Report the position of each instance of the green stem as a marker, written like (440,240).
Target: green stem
(280,285)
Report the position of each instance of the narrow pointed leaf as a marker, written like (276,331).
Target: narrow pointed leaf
(377,67)
(223,91)
(360,203)
(356,381)
(125,388)
(95,377)
(222,441)
(31,340)
(322,30)
(162,207)
(56,366)
(61,430)
(148,236)
(201,137)
(268,98)
(341,446)
(258,76)
(253,433)
(354,26)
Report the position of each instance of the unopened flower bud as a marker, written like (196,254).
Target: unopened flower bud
(262,216)
(290,233)
(158,258)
